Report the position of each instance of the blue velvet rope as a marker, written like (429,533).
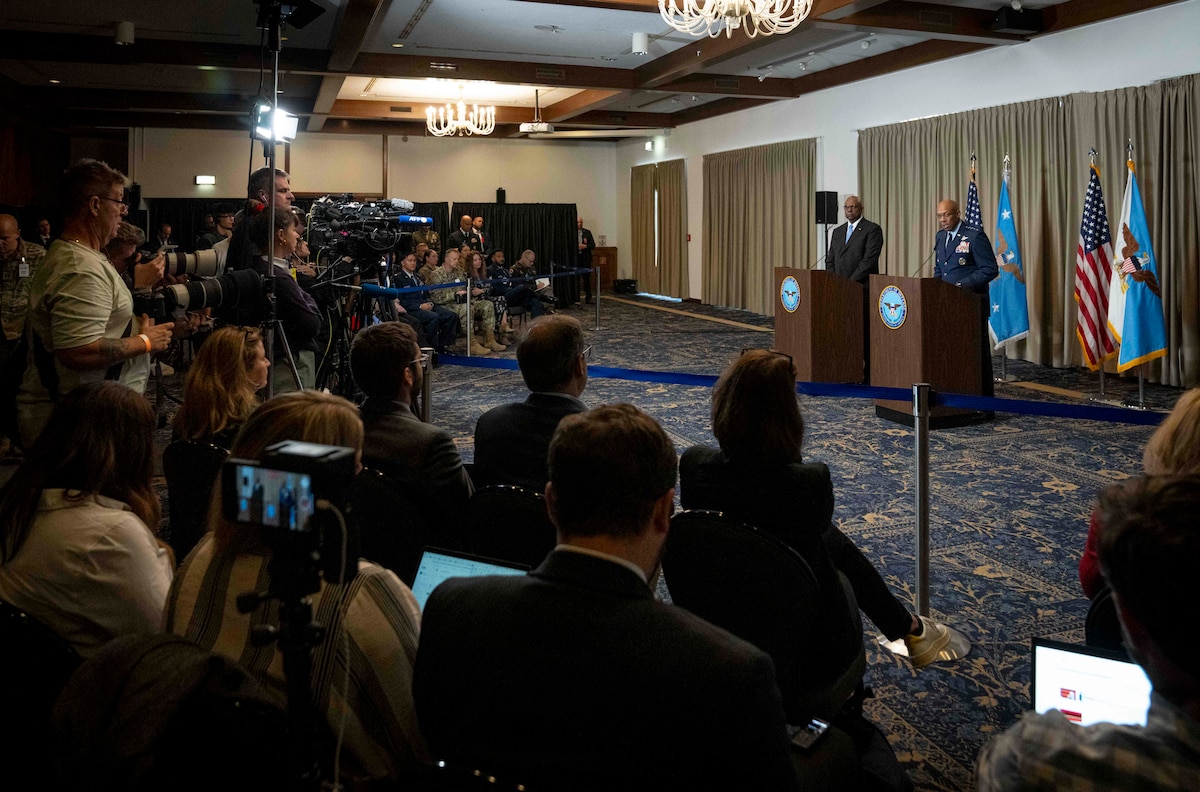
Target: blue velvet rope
(372,290)
(1018,406)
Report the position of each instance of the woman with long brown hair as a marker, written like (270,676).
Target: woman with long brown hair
(76,544)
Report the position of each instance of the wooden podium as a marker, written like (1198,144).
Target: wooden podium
(818,321)
(925,330)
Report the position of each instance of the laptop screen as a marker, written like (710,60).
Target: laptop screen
(438,565)
(1088,685)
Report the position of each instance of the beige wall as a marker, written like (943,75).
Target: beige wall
(165,162)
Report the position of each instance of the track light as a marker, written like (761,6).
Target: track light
(641,43)
(124,34)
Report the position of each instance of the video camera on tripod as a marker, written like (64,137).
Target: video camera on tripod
(340,227)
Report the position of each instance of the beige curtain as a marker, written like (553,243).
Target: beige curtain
(758,209)
(672,228)
(905,169)
(641,216)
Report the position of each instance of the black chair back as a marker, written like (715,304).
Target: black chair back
(747,581)
(392,526)
(191,469)
(510,523)
(1102,628)
(35,664)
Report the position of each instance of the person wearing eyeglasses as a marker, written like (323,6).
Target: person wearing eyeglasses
(422,460)
(512,440)
(81,321)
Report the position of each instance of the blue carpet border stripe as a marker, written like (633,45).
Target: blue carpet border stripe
(1017,406)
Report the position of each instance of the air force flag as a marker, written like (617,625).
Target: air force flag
(1144,334)
(1009,319)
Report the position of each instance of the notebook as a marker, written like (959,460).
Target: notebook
(438,564)
(1088,685)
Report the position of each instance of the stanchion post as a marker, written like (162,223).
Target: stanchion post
(470,318)
(596,292)
(921,396)
(426,384)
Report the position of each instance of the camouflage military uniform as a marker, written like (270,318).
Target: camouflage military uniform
(429,237)
(14,289)
(483,309)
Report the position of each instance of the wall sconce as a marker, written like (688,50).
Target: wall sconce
(206,180)
(649,145)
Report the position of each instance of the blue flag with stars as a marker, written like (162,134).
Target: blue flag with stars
(1145,331)
(1009,319)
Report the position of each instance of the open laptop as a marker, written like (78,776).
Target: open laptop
(1087,685)
(438,564)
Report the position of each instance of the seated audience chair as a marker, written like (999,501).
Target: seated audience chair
(1102,629)
(191,469)
(35,664)
(510,523)
(750,583)
(393,527)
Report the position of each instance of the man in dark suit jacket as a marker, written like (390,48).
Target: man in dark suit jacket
(512,440)
(964,256)
(439,322)
(465,235)
(583,259)
(854,254)
(420,458)
(856,244)
(574,676)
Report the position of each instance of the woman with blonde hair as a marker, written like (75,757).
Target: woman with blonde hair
(222,385)
(758,476)
(372,622)
(77,550)
(1174,448)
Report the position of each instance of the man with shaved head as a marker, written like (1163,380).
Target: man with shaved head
(465,235)
(963,256)
(854,253)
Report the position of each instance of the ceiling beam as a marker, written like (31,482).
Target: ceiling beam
(582,102)
(87,99)
(650,6)
(717,108)
(940,21)
(370,64)
(71,48)
(707,52)
(1084,12)
(884,63)
(327,94)
(360,17)
(736,85)
(352,108)
(618,118)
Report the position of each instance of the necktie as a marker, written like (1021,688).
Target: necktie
(849,231)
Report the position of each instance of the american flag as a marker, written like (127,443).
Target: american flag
(1093,260)
(974,215)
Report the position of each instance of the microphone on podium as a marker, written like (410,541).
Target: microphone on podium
(921,266)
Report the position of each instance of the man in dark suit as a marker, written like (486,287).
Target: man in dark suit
(583,259)
(963,256)
(574,676)
(465,235)
(421,458)
(854,254)
(485,239)
(512,440)
(439,322)
(856,244)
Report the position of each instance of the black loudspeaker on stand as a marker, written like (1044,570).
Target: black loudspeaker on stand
(499,195)
(827,208)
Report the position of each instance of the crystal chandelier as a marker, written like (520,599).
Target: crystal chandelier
(455,120)
(709,17)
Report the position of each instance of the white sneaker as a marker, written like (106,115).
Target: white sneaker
(927,647)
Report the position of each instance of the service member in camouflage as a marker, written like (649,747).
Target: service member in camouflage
(19,259)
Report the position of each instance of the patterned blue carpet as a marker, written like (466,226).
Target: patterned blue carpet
(1010,501)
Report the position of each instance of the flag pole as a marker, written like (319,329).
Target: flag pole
(1092,154)
(1003,378)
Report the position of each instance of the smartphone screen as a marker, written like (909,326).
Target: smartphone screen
(806,736)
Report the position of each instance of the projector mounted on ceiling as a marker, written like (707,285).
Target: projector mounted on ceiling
(537,126)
